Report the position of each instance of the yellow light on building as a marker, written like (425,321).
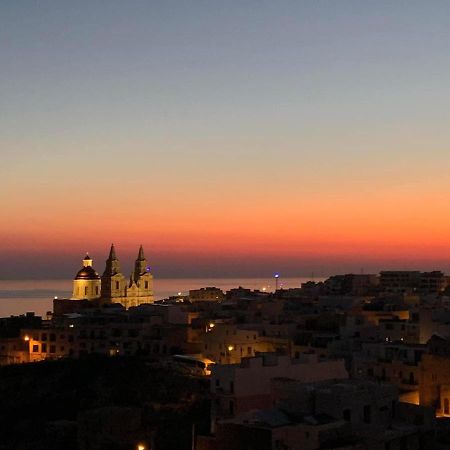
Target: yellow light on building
(26,338)
(141,447)
(212,325)
(230,348)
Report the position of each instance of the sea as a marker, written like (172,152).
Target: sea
(22,296)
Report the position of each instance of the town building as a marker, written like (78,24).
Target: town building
(434,385)
(206,294)
(238,388)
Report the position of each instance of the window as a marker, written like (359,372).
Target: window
(35,348)
(44,337)
(96,290)
(52,348)
(52,337)
(117,285)
(85,290)
(44,348)
(146,285)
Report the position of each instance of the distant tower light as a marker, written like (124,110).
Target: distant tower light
(276,276)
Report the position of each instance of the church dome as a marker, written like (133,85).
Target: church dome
(87,273)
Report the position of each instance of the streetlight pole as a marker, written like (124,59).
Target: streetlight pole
(276,276)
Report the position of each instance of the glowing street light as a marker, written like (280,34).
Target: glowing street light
(141,447)
(276,276)
(26,338)
(230,348)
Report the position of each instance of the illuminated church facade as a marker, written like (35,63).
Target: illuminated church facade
(112,286)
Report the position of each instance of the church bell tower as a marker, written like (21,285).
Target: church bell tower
(113,282)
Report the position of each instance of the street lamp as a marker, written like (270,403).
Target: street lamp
(230,348)
(276,276)
(141,447)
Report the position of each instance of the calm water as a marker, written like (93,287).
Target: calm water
(20,296)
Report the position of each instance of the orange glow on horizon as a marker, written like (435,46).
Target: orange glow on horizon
(406,222)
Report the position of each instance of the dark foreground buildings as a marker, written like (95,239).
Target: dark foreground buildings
(357,362)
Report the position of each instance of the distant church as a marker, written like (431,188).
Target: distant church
(112,286)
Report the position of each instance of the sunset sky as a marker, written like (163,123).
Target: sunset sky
(230,138)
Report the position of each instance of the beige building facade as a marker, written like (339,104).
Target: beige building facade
(112,286)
